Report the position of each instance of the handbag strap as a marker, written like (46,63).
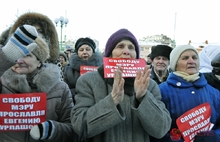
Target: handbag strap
(83,133)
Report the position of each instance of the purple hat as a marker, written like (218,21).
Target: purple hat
(118,36)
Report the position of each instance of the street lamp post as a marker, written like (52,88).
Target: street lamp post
(62,22)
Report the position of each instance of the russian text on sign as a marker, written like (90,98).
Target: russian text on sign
(22,114)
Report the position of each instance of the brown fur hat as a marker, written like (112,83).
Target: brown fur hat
(48,28)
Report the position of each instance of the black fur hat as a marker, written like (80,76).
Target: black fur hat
(87,41)
(161,50)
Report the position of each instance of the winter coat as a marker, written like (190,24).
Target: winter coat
(72,72)
(212,80)
(129,121)
(180,96)
(154,76)
(59,100)
(48,29)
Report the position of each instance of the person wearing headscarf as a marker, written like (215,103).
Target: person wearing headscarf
(119,109)
(84,54)
(45,28)
(213,78)
(187,88)
(206,56)
(23,70)
(160,56)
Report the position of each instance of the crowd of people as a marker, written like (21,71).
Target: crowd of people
(92,107)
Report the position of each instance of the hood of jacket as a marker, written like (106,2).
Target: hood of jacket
(45,79)
(95,60)
(48,29)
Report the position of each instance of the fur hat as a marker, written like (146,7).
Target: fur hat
(118,36)
(42,50)
(48,29)
(161,50)
(176,53)
(87,41)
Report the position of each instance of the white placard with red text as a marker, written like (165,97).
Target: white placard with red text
(129,66)
(20,112)
(194,121)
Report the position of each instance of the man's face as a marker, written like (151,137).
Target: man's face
(160,63)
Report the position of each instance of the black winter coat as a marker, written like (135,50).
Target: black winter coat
(72,72)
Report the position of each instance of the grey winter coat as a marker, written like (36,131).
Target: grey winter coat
(59,100)
(130,121)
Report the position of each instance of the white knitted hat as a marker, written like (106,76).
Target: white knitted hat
(176,52)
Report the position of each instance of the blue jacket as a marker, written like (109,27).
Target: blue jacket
(180,96)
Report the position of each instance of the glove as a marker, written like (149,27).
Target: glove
(207,136)
(21,43)
(43,131)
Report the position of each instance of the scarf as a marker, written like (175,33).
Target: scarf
(186,76)
(129,82)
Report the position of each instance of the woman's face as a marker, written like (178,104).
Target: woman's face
(188,62)
(41,33)
(39,30)
(124,49)
(85,52)
(26,65)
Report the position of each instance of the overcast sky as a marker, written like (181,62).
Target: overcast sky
(196,20)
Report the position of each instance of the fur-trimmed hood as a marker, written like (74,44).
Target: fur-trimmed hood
(95,60)
(48,28)
(46,78)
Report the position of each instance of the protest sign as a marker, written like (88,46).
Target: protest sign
(84,69)
(20,112)
(194,121)
(129,66)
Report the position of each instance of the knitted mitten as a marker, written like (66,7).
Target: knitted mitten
(21,43)
(43,131)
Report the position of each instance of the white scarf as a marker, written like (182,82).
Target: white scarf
(186,76)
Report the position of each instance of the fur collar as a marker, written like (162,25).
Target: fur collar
(46,78)
(75,61)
